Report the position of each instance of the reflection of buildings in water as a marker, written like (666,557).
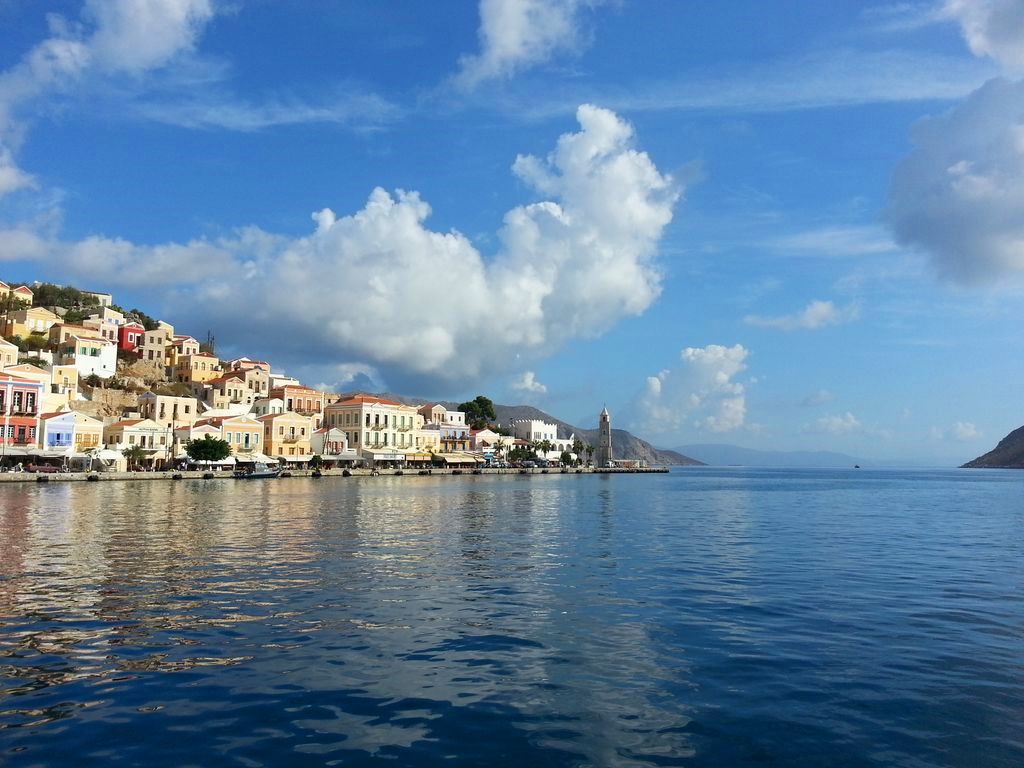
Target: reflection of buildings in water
(15,504)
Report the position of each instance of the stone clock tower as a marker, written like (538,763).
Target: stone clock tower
(604,440)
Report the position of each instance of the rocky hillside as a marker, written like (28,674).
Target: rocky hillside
(1009,454)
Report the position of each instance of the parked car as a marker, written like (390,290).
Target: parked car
(42,468)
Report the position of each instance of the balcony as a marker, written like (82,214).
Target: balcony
(378,426)
(290,439)
(404,429)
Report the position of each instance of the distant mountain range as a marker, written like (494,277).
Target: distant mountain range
(624,444)
(723,455)
(1008,454)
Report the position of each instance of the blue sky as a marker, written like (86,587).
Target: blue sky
(796,225)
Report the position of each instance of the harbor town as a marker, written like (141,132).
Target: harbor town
(89,388)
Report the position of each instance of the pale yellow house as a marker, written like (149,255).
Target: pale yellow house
(23,322)
(287,436)
(105,329)
(382,430)
(8,354)
(243,433)
(156,345)
(169,411)
(181,346)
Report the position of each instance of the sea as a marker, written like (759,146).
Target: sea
(705,617)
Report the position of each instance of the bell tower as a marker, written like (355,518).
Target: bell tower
(604,439)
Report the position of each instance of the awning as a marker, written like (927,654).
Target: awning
(418,457)
(297,459)
(460,458)
(230,460)
(381,456)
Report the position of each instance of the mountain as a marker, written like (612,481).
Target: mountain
(1009,454)
(624,444)
(722,455)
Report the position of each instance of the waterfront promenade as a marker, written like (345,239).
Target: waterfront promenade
(71,477)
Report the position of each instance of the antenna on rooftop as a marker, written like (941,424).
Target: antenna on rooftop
(211,342)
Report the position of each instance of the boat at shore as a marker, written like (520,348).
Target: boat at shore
(257,471)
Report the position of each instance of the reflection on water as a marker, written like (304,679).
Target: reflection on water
(706,618)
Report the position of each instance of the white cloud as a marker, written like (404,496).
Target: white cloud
(836,242)
(831,78)
(959,195)
(992,28)
(363,286)
(115,37)
(22,244)
(701,393)
(842,424)
(11,177)
(219,111)
(961,431)
(965,431)
(821,397)
(527,382)
(517,34)
(817,314)
(138,35)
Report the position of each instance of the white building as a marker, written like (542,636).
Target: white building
(538,431)
(89,355)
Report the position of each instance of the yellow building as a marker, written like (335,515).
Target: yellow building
(169,411)
(287,435)
(23,322)
(196,368)
(243,433)
(8,354)
(382,430)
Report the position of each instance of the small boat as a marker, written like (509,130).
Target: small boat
(259,470)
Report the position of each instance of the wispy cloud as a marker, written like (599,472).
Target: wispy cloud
(353,109)
(817,314)
(836,242)
(839,78)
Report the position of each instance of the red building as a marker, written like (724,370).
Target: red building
(129,336)
(20,400)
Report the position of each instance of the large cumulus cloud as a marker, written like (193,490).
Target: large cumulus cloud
(379,286)
(960,194)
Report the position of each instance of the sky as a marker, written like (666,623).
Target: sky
(792,225)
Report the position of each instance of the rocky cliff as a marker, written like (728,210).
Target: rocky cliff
(1008,454)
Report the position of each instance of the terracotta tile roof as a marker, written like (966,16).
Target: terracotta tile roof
(127,423)
(366,399)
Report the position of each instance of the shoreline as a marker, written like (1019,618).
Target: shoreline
(72,477)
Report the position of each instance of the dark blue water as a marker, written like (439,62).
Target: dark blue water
(706,618)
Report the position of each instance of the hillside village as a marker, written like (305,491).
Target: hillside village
(86,384)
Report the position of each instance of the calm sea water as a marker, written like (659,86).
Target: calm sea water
(705,618)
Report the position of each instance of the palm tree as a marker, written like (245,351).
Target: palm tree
(134,454)
(590,451)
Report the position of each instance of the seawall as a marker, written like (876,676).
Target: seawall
(71,477)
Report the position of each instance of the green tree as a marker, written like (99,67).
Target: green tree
(566,459)
(479,411)
(134,454)
(316,462)
(208,449)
